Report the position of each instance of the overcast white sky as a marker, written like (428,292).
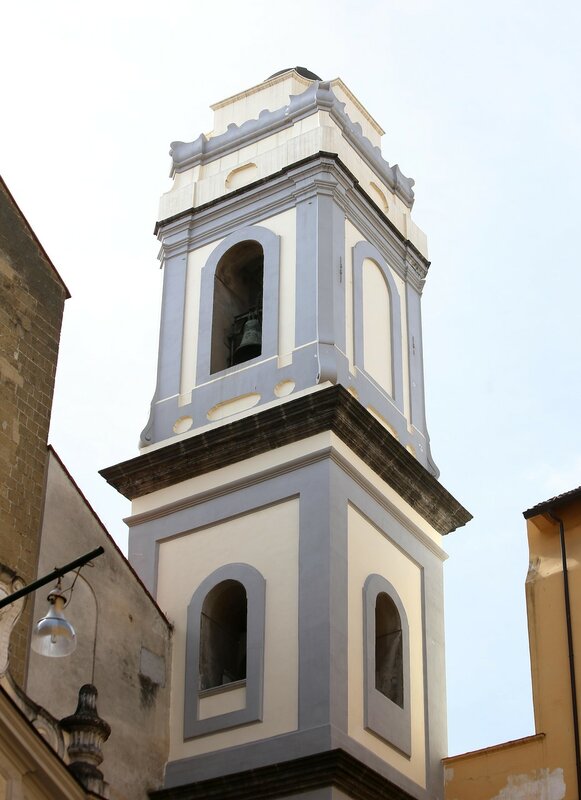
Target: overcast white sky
(482,106)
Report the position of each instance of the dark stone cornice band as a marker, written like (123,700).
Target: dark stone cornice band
(333,768)
(331,409)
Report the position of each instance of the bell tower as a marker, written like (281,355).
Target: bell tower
(286,509)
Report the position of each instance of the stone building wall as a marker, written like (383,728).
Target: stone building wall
(123,643)
(32,299)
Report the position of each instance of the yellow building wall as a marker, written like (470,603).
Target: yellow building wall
(541,766)
(510,771)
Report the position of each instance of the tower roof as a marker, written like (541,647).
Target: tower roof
(302,71)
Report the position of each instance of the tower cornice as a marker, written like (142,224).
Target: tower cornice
(196,227)
(335,768)
(332,409)
(317,97)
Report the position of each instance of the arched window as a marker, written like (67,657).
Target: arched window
(238,316)
(388,649)
(223,628)
(387,663)
(237,306)
(225,651)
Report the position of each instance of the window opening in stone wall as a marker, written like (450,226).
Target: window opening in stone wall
(237,310)
(388,649)
(223,635)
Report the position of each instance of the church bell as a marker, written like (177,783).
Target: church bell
(250,343)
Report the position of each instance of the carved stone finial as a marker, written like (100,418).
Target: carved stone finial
(88,732)
(9,583)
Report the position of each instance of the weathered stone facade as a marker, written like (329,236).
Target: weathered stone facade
(123,643)
(32,299)
(124,638)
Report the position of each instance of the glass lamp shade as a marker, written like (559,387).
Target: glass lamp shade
(53,635)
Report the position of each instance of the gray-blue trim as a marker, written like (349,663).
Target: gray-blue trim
(171,332)
(306,268)
(416,371)
(416,377)
(330,284)
(318,96)
(315,538)
(361,251)
(382,715)
(270,244)
(248,756)
(255,376)
(255,587)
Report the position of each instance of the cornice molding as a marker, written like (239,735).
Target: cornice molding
(317,97)
(279,192)
(347,467)
(323,454)
(333,768)
(331,409)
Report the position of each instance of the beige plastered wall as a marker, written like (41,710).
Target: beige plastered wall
(267,540)
(541,766)
(284,226)
(370,552)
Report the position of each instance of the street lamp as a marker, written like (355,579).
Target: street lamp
(53,635)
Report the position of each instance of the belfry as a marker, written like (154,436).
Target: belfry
(286,511)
